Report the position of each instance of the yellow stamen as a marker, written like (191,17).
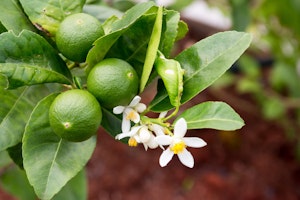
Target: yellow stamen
(131,115)
(132,142)
(178,147)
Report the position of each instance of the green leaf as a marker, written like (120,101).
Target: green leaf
(152,49)
(47,15)
(102,12)
(49,161)
(12,16)
(15,182)
(19,74)
(170,31)
(172,75)
(15,108)
(28,59)
(111,123)
(205,62)
(118,28)
(214,115)
(76,188)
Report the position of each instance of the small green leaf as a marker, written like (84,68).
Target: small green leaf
(49,161)
(28,59)
(172,75)
(47,15)
(214,115)
(205,62)
(152,49)
(12,16)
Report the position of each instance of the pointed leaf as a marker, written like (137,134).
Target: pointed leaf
(111,123)
(15,108)
(214,115)
(205,62)
(30,59)
(13,18)
(152,49)
(103,44)
(49,161)
(19,74)
(47,15)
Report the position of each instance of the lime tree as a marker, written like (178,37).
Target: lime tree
(76,34)
(113,82)
(75,115)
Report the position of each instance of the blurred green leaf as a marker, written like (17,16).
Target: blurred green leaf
(102,12)
(49,161)
(28,59)
(47,15)
(14,181)
(13,18)
(75,189)
(241,15)
(214,115)
(204,63)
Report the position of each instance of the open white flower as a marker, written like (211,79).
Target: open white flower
(130,112)
(177,145)
(139,134)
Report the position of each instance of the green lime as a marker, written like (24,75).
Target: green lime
(76,34)
(75,115)
(113,82)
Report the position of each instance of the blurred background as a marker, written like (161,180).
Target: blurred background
(259,162)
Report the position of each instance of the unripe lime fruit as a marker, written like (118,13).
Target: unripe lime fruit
(113,82)
(75,115)
(76,34)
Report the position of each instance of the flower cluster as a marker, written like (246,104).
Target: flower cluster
(156,133)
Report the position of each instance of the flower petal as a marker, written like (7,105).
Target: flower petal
(165,157)
(163,114)
(164,139)
(157,129)
(125,125)
(145,134)
(180,128)
(152,144)
(140,107)
(118,109)
(135,101)
(186,158)
(194,142)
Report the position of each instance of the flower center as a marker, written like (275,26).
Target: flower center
(178,147)
(132,142)
(131,115)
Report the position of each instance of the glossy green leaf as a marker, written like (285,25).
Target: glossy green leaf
(204,62)
(15,108)
(28,59)
(76,188)
(214,115)
(172,75)
(49,161)
(118,28)
(12,16)
(15,182)
(152,49)
(19,74)
(47,15)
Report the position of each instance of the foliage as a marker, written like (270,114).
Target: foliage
(33,72)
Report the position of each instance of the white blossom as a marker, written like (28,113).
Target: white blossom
(130,113)
(177,145)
